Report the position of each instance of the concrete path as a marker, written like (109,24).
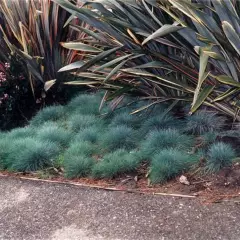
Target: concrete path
(34,210)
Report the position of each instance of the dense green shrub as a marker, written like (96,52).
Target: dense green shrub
(156,141)
(115,163)
(168,163)
(16,99)
(30,58)
(36,42)
(118,137)
(219,155)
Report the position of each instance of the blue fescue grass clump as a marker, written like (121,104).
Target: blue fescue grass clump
(77,166)
(202,122)
(21,133)
(90,134)
(78,159)
(81,148)
(5,149)
(118,137)
(159,122)
(2,134)
(209,138)
(166,138)
(84,104)
(28,154)
(74,135)
(127,119)
(219,155)
(168,163)
(78,122)
(115,163)
(54,133)
(52,113)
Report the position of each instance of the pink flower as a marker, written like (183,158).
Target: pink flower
(5,95)
(2,77)
(7,65)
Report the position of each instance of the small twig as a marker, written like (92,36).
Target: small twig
(101,187)
(23,115)
(174,195)
(195,148)
(202,181)
(72,183)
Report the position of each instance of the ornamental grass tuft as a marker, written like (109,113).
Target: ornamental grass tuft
(166,138)
(54,133)
(118,137)
(79,122)
(24,132)
(90,134)
(84,104)
(115,163)
(168,163)
(77,166)
(52,113)
(219,155)
(159,122)
(80,148)
(5,149)
(127,119)
(202,122)
(209,137)
(28,154)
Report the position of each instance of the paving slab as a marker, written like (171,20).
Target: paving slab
(32,210)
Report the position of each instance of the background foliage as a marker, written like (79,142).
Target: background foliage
(163,49)
(30,37)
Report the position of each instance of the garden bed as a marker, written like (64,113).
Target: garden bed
(128,151)
(224,186)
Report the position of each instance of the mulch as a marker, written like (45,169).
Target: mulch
(215,188)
